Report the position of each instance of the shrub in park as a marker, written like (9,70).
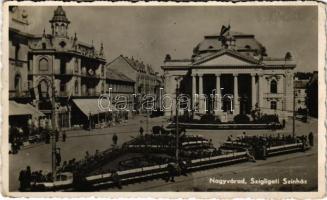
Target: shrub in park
(267,119)
(241,119)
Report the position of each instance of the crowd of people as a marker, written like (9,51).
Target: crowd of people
(272,140)
(27,178)
(90,162)
(33,132)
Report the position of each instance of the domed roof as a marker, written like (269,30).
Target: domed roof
(241,42)
(59,15)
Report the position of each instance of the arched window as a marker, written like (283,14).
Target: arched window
(43,64)
(76,65)
(273,86)
(43,88)
(273,105)
(76,87)
(18,84)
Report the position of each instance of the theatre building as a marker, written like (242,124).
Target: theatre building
(236,68)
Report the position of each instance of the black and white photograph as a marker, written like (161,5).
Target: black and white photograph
(163,98)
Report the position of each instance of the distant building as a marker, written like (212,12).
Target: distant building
(147,82)
(120,84)
(312,95)
(300,93)
(234,64)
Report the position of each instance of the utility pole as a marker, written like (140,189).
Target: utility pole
(293,131)
(147,120)
(54,125)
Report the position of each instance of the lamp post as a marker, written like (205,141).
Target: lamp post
(54,125)
(293,130)
(177,127)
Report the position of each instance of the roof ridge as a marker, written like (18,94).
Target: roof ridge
(221,52)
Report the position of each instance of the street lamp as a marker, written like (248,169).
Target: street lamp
(293,128)
(177,108)
(53,123)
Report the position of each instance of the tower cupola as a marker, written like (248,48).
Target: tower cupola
(59,23)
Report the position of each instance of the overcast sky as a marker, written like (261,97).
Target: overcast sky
(149,33)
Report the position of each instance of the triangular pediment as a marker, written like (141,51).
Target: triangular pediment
(226,59)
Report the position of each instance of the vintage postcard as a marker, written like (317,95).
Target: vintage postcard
(171,100)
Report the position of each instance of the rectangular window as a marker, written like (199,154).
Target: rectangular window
(273,105)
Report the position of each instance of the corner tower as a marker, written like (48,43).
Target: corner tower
(59,23)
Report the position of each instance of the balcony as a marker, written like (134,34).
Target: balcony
(87,75)
(273,95)
(90,94)
(19,94)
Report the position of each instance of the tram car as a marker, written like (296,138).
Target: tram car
(63,181)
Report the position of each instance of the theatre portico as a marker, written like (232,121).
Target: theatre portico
(232,74)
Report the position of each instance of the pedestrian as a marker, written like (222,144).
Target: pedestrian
(64,136)
(22,180)
(58,157)
(244,135)
(171,168)
(87,155)
(250,156)
(116,179)
(183,167)
(27,178)
(141,131)
(114,139)
(47,137)
(57,135)
(311,139)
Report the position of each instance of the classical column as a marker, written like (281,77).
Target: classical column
(236,102)
(253,91)
(218,94)
(193,89)
(260,96)
(201,93)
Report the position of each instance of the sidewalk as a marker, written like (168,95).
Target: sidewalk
(132,125)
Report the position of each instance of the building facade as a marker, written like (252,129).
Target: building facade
(18,54)
(120,85)
(73,68)
(57,60)
(313,95)
(300,87)
(147,81)
(235,68)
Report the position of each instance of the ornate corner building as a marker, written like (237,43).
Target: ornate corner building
(76,70)
(236,65)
